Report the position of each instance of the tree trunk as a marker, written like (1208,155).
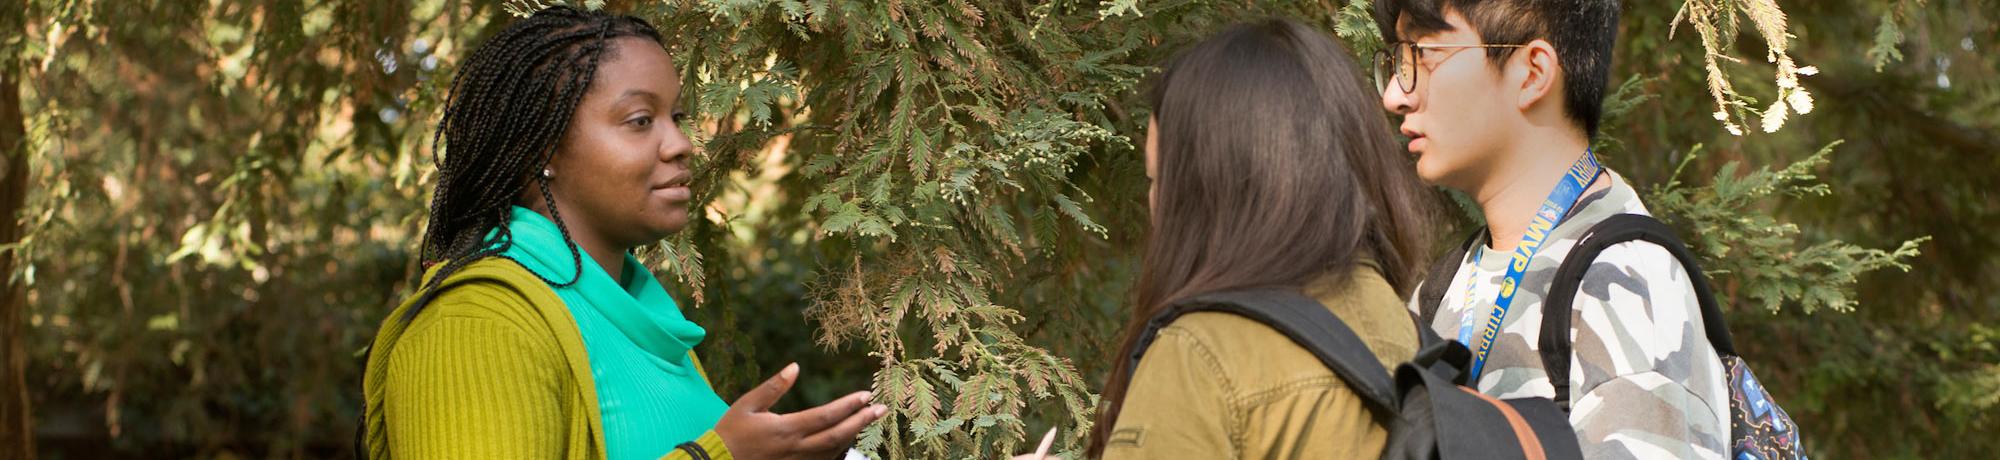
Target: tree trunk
(17,434)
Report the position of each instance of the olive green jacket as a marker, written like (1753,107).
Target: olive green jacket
(1221,386)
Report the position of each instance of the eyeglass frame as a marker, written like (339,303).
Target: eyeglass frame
(1416,58)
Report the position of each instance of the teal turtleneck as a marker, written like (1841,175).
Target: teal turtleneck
(648,391)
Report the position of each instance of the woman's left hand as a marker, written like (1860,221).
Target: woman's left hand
(1042,451)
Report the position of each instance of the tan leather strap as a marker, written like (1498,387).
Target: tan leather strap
(1531,446)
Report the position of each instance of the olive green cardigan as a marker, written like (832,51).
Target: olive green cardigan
(493,368)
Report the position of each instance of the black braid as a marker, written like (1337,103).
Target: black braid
(510,104)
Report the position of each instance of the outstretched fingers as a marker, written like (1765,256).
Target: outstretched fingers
(761,398)
(842,435)
(825,416)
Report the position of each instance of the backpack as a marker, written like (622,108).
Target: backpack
(1759,429)
(1429,415)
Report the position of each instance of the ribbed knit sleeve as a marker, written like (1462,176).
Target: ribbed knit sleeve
(710,443)
(475,387)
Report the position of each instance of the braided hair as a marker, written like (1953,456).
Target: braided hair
(510,104)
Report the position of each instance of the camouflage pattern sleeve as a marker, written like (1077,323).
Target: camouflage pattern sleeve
(1644,381)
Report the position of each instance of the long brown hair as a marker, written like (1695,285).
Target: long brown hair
(1275,167)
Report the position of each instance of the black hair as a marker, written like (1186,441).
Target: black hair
(510,104)
(1582,32)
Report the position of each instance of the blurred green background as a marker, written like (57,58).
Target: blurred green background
(211,204)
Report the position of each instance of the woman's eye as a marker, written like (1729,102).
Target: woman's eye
(680,117)
(640,121)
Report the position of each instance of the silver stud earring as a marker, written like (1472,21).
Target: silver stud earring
(547,174)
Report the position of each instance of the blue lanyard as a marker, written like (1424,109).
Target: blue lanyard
(1557,205)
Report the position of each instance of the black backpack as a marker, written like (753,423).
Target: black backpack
(1759,429)
(1429,415)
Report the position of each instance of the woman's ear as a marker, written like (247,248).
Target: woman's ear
(1538,70)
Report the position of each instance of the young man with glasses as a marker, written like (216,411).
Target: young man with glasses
(1500,99)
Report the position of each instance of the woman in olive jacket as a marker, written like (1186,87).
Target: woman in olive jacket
(1271,166)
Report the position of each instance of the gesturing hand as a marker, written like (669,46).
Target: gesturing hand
(753,432)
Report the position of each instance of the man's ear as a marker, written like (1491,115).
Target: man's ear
(1538,70)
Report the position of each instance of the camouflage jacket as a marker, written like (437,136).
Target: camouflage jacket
(1644,381)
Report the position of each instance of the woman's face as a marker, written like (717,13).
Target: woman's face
(621,172)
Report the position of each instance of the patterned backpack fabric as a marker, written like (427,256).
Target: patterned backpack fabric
(1759,429)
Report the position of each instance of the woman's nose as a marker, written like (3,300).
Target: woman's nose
(677,145)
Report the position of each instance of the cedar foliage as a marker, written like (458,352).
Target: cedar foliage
(225,198)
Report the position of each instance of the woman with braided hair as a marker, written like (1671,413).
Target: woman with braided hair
(535,333)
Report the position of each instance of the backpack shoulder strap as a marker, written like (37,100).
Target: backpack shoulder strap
(1301,319)
(1438,279)
(1622,228)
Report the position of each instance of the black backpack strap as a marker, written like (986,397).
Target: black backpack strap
(1303,320)
(1622,228)
(1438,280)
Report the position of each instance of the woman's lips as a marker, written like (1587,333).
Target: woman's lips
(1417,145)
(674,193)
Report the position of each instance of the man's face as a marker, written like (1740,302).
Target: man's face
(1458,115)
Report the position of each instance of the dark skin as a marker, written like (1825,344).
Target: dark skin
(620,177)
